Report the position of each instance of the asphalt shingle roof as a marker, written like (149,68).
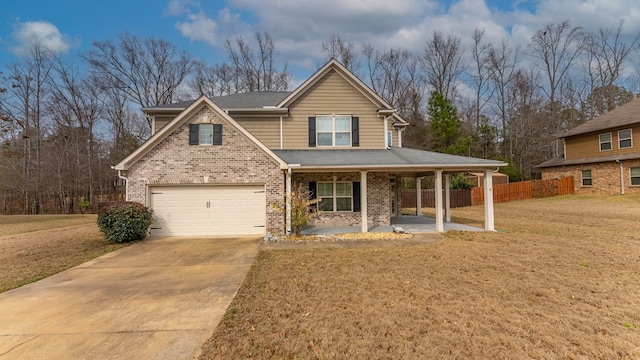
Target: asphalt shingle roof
(393,157)
(250,100)
(624,115)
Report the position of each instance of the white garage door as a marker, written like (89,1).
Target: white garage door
(208,210)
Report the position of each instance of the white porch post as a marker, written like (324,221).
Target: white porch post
(447,198)
(288,201)
(488,201)
(364,224)
(418,196)
(439,221)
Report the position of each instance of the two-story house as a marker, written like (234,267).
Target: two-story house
(601,154)
(228,165)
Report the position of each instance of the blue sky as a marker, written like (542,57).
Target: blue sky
(297,27)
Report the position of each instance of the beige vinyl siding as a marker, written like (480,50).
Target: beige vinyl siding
(588,145)
(333,95)
(266,129)
(162,120)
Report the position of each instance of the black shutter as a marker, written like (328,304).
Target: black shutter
(193,134)
(312,131)
(355,131)
(313,190)
(217,134)
(356,196)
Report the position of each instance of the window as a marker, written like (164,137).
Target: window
(624,139)
(335,196)
(586,178)
(205,134)
(605,142)
(635,176)
(334,130)
(389,138)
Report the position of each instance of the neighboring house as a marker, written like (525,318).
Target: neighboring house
(601,154)
(225,166)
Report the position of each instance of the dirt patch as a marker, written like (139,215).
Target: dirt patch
(560,279)
(34,255)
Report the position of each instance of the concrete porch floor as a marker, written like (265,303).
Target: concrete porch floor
(409,223)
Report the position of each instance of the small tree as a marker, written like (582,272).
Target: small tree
(303,208)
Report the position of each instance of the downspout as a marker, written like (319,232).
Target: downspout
(281,133)
(385,133)
(400,136)
(621,177)
(126,184)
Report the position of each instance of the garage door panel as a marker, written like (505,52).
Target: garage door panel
(208,210)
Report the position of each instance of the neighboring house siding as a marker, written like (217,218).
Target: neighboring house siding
(266,129)
(605,177)
(236,161)
(378,200)
(333,95)
(588,145)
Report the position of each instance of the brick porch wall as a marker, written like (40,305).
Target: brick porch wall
(237,161)
(378,200)
(605,177)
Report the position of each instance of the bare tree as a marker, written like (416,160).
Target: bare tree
(503,65)
(342,51)
(213,81)
(442,63)
(256,70)
(27,89)
(481,73)
(148,71)
(605,57)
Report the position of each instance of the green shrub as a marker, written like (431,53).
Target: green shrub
(125,221)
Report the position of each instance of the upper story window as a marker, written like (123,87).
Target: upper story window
(205,134)
(605,142)
(389,138)
(624,139)
(334,131)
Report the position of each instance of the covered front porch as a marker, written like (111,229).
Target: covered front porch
(409,223)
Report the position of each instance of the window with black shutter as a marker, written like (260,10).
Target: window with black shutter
(205,134)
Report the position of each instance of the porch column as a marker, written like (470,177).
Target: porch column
(398,197)
(364,227)
(488,200)
(447,198)
(439,221)
(418,196)
(288,202)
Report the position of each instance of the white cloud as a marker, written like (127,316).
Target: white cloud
(41,32)
(199,27)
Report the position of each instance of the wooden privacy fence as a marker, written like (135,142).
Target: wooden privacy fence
(459,198)
(522,190)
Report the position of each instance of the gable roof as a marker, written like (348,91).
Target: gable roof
(192,109)
(624,115)
(394,158)
(335,65)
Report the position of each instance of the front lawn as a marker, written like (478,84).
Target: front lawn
(33,247)
(560,279)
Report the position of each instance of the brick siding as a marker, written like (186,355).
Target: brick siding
(605,177)
(378,200)
(237,161)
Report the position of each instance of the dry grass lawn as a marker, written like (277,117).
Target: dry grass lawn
(33,247)
(559,280)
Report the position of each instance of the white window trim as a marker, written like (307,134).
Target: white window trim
(334,196)
(629,138)
(333,130)
(610,141)
(584,178)
(632,176)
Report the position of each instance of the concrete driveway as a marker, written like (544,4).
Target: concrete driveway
(157,299)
